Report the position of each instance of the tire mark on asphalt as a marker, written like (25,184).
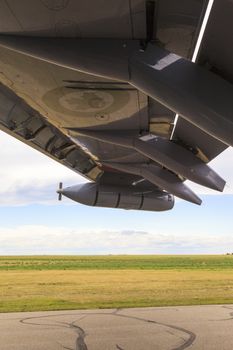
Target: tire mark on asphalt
(64,347)
(80,342)
(185,345)
(175,335)
(223,319)
(118,347)
(230,313)
(26,319)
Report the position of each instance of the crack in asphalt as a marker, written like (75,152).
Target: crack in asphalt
(80,341)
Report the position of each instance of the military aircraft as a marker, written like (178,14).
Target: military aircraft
(114,90)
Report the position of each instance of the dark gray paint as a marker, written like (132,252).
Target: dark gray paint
(118,197)
(159,177)
(198,95)
(216,52)
(204,145)
(165,152)
(66,98)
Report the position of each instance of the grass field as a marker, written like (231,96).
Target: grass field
(118,262)
(68,282)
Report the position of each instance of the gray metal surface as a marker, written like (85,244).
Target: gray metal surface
(198,95)
(215,56)
(80,57)
(175,24)
(123,197)
(168,328)
(159,177)
(216,53)
(27,125)
(206,147)
(164,152)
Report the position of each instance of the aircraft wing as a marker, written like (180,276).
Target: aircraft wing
(71,87)
(215,56)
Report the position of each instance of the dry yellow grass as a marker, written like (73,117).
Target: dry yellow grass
(56,290)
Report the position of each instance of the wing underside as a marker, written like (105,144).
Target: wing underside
(106,128)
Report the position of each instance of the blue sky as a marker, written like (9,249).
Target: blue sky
(32,221)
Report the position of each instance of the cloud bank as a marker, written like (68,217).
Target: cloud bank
(38,239)
(28,176)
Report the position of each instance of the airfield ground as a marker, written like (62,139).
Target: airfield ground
(69,282)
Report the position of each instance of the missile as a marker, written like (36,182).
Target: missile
(165,152)
(98,195)
(198,95)
(160,177)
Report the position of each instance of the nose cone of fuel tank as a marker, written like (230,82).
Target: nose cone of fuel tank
(82,193)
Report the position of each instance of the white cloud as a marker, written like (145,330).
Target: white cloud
(35,239)
(28,176)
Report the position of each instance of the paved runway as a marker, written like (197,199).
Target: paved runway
(168,328)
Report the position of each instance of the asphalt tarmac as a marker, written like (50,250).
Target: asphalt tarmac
(164,328)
